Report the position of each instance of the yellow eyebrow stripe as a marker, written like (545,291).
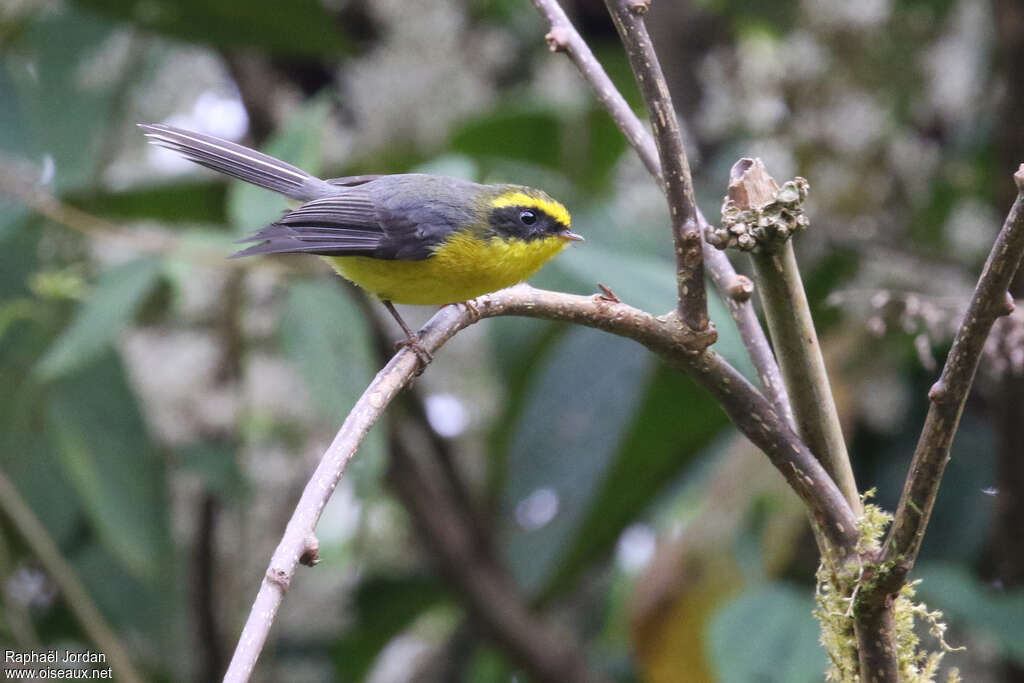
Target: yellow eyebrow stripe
(548,206)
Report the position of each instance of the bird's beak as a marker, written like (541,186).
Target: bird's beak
(570,236)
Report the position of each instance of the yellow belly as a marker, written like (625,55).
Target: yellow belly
(462,268)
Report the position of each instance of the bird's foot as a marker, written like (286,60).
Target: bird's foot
(473,310)
(424,356)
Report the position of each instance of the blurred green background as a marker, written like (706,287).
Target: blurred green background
(161,407)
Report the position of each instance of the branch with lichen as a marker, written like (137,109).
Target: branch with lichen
(759,217)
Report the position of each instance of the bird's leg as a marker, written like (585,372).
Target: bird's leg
(411,340)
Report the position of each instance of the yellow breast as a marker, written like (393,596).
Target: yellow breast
(462,268)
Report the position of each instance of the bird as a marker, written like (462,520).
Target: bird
(408,238)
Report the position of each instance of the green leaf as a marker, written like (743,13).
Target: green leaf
(996,614)
(180,202)
(19,256)
(326,337)
(57,110)
(216,463)
(101,318)
(145,606)
(28,458)
(675,421)
(767,634)
(105,452)
(604,147)
(530,136)
(306,29)
(643,281)
(298,143)
(667,420)
(384,606)
(577,411)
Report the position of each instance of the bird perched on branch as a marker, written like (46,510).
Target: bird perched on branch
(406,238)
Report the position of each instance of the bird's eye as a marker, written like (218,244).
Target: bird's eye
(527,217)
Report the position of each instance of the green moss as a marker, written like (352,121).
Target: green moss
(836,597)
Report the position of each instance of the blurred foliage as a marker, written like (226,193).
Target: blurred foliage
(163,406)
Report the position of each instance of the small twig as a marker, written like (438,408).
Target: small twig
(16,181)
(949,394)
(204,573)
(607,295)
(75,594)
(792,330)
(563,37)
(627,15)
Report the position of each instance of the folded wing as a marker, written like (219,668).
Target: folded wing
(342,225)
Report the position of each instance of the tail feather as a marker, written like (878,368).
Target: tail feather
(239,162)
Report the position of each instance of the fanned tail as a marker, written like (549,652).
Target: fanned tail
(239,162)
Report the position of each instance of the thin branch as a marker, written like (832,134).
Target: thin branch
(788,313)
(627,16)
(874,608)
(204,578)
(75,594)
(947,396)
(545,651)
(735,291)
(796,343)
(441,448)
(667,336)
(563,37)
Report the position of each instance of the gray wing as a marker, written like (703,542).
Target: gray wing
(353,180)
(342,225)
(239,162)
(400,217)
